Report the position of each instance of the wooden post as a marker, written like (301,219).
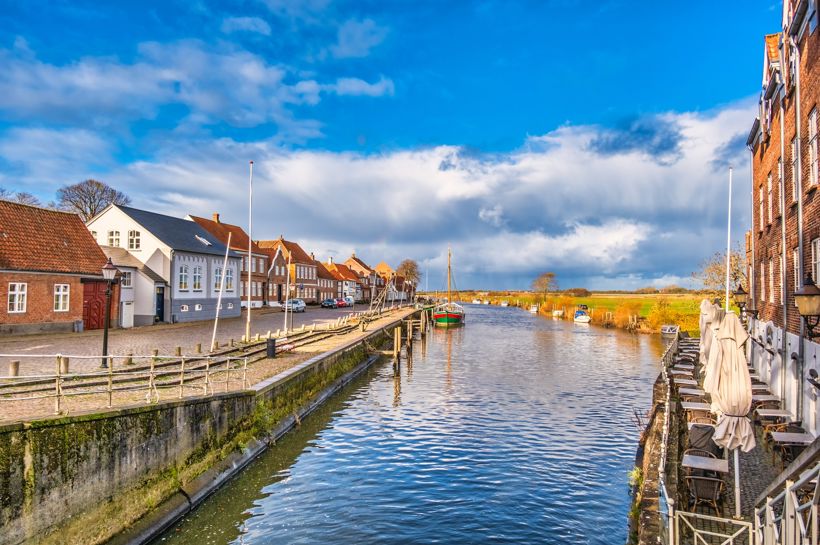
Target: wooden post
(150,395)
(199,348)
(409,332)
(215,346)
(256,337)
(178,351)
(231,343)
(245,372)
(181,377)
(129,360)
(57,392)
(155,353)
(64,365)
(227,373)
(397,343)
(14,368)
(269,334)
(207,373)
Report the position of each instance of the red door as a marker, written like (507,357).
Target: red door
(94,305)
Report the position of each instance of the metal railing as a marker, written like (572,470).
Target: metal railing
(666,503)
(699,529)
(790,517)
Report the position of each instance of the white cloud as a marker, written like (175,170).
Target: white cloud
(358,87)
(245,24)
(357,38)
(556,204)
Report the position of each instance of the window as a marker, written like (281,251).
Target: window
(133,240)
(813,147)
(94,234)
(198,278)
(183,308)
(815,253)
(795,171)
(17,297)
(183,277)
(242,288)
(230,306)
(218,279)
(769,194)
(125,279)
(113,238)
(198,306)
(762,280)
(229,280)
(244,264)
(253,264)
(61,298)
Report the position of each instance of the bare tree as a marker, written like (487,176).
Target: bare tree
(89,198)
(5,194)
(409,269)
(26,198)
(712,273)
(545,282)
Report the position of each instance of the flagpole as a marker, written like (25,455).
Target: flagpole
(250,253)
(729,240)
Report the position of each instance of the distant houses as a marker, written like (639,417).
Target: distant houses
(170,269)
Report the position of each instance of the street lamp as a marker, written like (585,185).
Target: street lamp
(109,271)
(807,299)
(740,297)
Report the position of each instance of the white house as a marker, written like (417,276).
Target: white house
(185,256)
(138,288)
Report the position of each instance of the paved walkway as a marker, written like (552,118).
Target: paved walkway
(35,352)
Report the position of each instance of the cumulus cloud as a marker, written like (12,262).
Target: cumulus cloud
(215,84)
(245,24)
(356,38)
(557,203)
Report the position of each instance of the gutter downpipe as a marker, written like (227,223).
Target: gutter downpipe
(752,276)
(784,339)
(799,177)
(170,309)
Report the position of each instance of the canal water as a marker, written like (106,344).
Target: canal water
(511,429)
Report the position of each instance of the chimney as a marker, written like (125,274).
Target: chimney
(330,260)
(216,217)
(311,257)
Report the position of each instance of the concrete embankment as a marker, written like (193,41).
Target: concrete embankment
(85,478)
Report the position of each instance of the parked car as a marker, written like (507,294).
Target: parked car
(349,300)
(341,303)
(329,303)
(294,305)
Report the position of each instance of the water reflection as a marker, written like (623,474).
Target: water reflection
(512,429)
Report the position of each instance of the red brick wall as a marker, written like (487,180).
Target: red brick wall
(40,298)
(767,238)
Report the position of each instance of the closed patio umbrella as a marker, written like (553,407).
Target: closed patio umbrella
(705,340)
(713,318)
(731,390)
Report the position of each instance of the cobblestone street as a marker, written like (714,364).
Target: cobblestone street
(35,352)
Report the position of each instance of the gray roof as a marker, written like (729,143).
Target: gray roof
(121,258)
(177,233)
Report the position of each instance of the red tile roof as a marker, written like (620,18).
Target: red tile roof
(323,272)
(239,238)
(772,42)
(353,261)
(342,272)
(298,255)
(384,269)
(37,239)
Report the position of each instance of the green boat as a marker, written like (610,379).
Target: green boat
(448,314)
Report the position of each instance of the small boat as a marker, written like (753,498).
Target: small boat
(486,302)
(557,313)
(582,317)
(448,314)
(505,304)
(476,301)
(669,330)
(533,309)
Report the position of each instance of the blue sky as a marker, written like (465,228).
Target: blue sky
(589,138)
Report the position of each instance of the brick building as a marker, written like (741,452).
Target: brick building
(304,282)
(239,243)
(783,245)
(50,272)
(328,284)
(368,278)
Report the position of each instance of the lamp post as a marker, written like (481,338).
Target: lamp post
(807,299)
(741,297)
(109,271)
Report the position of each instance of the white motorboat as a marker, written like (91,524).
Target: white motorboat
(533,309)
(504,304)
(582,317)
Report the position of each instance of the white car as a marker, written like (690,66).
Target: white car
(294,305)
(349,300)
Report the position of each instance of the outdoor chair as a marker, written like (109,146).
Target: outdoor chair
(699,472)
(706,491)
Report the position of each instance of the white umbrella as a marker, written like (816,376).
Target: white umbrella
(713,318)
(731,390)
(705,341)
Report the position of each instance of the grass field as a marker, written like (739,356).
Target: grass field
(617,309)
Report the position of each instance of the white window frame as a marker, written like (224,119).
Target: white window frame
(813,157)
(815,253)
(62,297)
(183,308)
(762,280)
(182,279)
(198,306)
(217,279)
(17,297)
(769,195)
(196,283)
(114,238)
(229,279)
(126,279)
(133,240)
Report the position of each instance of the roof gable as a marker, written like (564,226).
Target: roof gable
(220,230)
(177,233)
(37,239)
(342,272)
(289,248)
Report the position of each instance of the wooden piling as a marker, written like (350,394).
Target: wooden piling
(178,351)
(129,360)
(57,392)
(64,365)
(14,368)
(199,348)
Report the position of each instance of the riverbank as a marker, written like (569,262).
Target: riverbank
(86,477)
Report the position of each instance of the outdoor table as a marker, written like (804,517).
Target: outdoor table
(680,372)
(792,438)
(690,424)
(685,381)
(773,413)
(760,388)
(764,397)
(685,366)
(705,463)
(695,406)
(691,391)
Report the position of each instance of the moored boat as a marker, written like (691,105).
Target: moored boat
(476,301)
(557,313)
(582,317)
(505,304)
(533,309)
(448,314)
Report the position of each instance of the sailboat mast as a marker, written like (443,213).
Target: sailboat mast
(448,274)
